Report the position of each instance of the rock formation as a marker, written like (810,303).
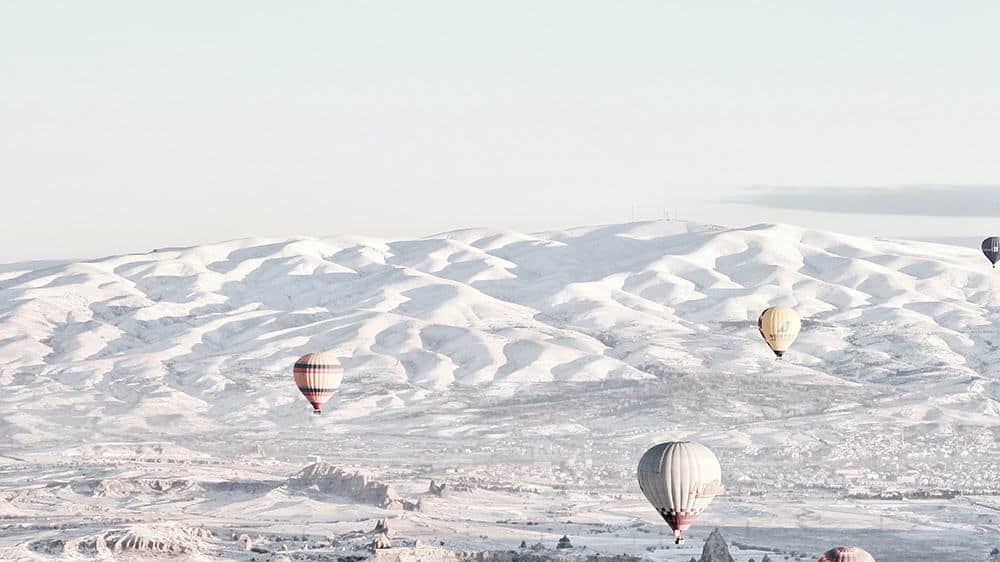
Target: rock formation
(437,489)
(383,528)
(380,542)
(328,479)
(715,549)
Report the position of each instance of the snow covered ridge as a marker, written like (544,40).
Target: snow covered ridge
(518,369)
(180,334)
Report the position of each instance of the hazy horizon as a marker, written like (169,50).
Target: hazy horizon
(128,126)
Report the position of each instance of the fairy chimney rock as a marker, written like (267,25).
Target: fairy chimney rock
(381,542)
(715,549)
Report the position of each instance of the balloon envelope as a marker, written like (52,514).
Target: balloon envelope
(846,554)
(318,376)
(680,479)
(991,249)
(779,326)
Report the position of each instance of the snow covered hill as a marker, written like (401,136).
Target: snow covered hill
(504,352)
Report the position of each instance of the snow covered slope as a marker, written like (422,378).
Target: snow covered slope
(493,348)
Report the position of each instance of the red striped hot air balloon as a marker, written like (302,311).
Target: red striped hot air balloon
(846,554)
(318,376)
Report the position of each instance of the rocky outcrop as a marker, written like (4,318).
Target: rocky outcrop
(127,487)
(437,489)
(380,542)
(151,540)
(715,549)
(328,479)
(157,540)
(383,528)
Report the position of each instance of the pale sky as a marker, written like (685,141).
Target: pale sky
(130,125)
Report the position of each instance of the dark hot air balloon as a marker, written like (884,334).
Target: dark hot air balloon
(991,247)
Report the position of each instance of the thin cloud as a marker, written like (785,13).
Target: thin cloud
(925,200)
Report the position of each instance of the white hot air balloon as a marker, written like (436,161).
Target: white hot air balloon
(679,479)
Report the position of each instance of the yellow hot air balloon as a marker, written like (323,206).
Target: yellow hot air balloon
(779,326)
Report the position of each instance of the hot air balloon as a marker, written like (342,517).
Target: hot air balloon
(318,376)
(991,247)
(846,554)
(679,479)
(779,326)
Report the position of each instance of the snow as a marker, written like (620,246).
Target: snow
(150,395)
